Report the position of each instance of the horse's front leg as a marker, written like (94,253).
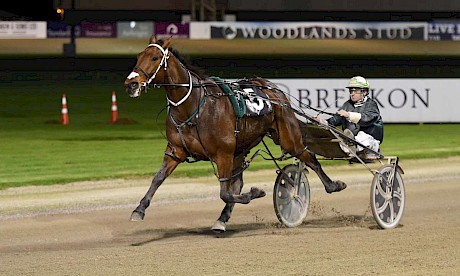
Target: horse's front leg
(168,166)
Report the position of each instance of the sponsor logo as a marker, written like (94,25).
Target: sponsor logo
(396,98)
(318,31)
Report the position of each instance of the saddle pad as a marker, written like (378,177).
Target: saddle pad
(256,101)
(246,98)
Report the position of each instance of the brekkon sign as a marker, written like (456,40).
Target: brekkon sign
(309,30)
(399,100)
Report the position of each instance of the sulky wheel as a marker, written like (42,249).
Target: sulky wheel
(388,196)
(291,195)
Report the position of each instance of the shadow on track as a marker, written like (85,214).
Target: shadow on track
(256,229)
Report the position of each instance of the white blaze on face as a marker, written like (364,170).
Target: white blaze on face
(133,75)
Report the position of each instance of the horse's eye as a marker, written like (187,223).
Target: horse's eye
(154,58)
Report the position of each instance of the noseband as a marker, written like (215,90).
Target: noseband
(164,62)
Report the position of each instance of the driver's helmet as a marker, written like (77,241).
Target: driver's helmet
(358,82)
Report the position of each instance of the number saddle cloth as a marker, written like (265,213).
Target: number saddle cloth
(247,99)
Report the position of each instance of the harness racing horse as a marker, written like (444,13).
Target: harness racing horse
(201,124)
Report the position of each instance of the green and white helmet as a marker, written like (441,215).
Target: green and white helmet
(358,82)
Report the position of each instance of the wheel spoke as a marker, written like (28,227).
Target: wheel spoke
(392,212)
(382,208)
(299,201)
(390,177)
(379,186)
(397,195)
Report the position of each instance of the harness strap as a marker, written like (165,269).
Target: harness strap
(179,130)
(173,156)
(190,88)
(189,119)
(304,149)
(180,126)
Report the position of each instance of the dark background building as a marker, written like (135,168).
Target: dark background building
(274,10)
(294,65)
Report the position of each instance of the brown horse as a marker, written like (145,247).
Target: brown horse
(201,124)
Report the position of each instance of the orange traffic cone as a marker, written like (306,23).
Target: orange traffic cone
(64,111)
(114,108)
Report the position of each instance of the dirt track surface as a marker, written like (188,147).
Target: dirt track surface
(83,228)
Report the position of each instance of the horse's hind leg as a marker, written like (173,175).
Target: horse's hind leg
(168,166)
(330,186)
(290,140)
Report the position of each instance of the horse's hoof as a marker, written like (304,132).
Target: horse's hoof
(256,193)
(218,227)
(137,216)
(338,186)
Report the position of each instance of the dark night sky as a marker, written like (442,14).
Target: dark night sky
(39,10)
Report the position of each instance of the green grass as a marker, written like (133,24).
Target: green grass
(36,150)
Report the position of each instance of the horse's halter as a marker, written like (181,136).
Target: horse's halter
(164,63)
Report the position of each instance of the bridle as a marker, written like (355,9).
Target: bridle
(164,64)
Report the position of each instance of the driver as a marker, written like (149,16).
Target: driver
(360,116)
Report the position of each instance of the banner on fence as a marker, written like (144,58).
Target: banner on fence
(443,31)
(22,29)
(59,29)
(167,29)
(309,30)
(99,30)
(399,100)
(135,29)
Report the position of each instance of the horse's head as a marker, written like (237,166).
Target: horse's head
(148,66)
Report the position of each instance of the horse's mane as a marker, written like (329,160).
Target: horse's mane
(195,69)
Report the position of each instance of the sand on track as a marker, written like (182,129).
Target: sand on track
(83,228)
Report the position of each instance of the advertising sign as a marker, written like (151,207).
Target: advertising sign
(22,29)
(399,100)
(135,29)
(309,30)
(58,29)
(444,31)
(99,30)
(176,30)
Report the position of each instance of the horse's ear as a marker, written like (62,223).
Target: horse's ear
(167,42)
(153,39)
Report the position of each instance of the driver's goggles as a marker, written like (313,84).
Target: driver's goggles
(354,90)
